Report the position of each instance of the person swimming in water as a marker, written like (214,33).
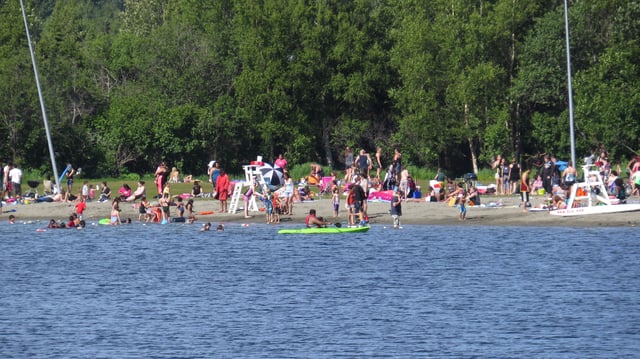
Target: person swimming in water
(206,227)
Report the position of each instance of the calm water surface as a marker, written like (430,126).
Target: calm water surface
(424,291)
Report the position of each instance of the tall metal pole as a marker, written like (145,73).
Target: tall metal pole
(569,87)
(44,112)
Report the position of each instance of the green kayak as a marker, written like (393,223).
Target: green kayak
(326,230)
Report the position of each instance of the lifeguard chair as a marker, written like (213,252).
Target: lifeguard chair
(250,171)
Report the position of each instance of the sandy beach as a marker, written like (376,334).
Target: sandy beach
(510,214)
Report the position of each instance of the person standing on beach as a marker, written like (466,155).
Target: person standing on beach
(222,188)
(359,198)
(214,173)
(498,176)
(288,193)
(335,200)
(548,173)
(396,208)
(463,208)
(70,174)
(524,189)
(248,195)
(281,162)
(396,164)
(6,189)
(514,176)
(16,180)
(363,162)
(80,207)
(378,162)
(85,191)
(348,162)
(162,173)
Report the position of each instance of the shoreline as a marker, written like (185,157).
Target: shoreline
(413,213)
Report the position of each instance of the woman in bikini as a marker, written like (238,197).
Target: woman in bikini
(524,189)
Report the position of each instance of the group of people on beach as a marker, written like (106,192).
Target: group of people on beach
(363,173)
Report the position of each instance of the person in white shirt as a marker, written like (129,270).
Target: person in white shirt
(16,180)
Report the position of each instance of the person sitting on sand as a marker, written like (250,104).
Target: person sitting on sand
(453,196)
(304,193)
(174,176)
(124,191)
(196,191)
(537,185)
(139,193)
(64,196)
(558,203)
(105,194)
(473,197)
(315,221)
(316,174)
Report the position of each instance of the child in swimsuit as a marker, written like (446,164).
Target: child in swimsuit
(115,212)
(180,207)
(335,199)
(463,209)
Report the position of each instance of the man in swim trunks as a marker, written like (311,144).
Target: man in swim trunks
(312,220)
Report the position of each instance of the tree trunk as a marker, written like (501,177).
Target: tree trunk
(326,142)
(472,149)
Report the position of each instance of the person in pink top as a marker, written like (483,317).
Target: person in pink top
(281,161)
(162,174)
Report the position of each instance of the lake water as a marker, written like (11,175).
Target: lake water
(247,292)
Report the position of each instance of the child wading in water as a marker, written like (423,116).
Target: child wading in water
(396,208)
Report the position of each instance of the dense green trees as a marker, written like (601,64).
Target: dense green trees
(450,82)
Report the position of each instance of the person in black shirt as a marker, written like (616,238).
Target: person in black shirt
(359,197)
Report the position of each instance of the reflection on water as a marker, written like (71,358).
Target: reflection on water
(424,291)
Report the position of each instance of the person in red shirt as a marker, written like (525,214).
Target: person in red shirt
(222,189)
(80,207)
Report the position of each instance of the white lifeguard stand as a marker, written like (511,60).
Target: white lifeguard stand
(250,170)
